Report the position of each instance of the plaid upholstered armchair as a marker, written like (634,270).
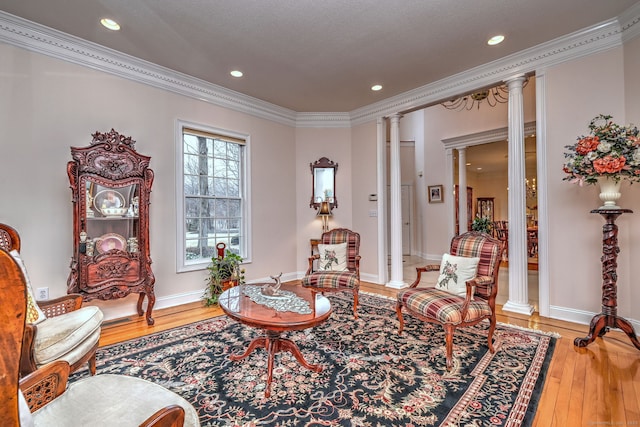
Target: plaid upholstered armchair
(337,264)
(466,290)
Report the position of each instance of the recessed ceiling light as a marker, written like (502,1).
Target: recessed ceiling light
(468,164)
(236,73)
(110,24)
(479,169)
(495,40)
(376,87)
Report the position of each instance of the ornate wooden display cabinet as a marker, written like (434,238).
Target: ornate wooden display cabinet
(111,184)
(484,208)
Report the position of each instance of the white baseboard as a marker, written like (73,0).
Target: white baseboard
(580,316)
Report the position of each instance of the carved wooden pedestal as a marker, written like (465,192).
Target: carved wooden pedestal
(608,318)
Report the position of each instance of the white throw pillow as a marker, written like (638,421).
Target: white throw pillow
(34,314)
(332,257)
(454,273)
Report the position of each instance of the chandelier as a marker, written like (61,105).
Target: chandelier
(493,96)
(531,188)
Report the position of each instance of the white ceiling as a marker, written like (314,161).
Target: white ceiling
(319,55)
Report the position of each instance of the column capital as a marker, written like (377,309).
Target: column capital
(515,81)
(395,117)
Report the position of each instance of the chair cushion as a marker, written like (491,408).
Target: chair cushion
(26,418)
(454,273)
(66,336)
(110,400)
(331,280)
(332,257)
(441,306)
(34,314)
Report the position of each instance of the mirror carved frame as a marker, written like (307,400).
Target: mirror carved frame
(323,163)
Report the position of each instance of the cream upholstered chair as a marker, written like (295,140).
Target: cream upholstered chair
(329,278)
(476,299)
(43,398)
(58,329)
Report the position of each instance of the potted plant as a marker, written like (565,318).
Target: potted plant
(482,224)
(224,273)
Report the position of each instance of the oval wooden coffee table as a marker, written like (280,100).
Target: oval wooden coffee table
(242,308)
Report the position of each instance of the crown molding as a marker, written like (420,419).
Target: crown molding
(19,32)
(323,120)
(485,137)
(38,38)
(597,38)
(629,20)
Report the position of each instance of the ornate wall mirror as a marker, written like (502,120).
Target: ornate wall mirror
(323,183)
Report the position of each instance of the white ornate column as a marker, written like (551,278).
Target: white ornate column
(462,190)
(383,251)
(518,285)
(395,205)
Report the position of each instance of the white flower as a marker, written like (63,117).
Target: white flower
(604,147)
(592,155)
(635,159)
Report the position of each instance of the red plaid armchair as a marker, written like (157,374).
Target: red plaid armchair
(453,311)
(337,281)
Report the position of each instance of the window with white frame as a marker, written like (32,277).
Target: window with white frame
(212,195)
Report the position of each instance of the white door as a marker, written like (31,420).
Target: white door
(406,219)
(406,205)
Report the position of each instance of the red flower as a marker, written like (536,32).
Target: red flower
(587,144)
(609,164)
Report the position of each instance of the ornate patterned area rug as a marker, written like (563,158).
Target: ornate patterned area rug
(371,377)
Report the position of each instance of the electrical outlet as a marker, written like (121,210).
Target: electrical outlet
(43,294)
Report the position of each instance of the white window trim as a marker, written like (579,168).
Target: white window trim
(181,267)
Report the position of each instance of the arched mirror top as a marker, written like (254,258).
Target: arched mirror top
(323,183)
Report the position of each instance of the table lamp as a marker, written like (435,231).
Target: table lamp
(325,212)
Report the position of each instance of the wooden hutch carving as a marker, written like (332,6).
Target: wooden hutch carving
(111,183)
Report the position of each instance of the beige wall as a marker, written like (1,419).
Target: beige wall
(631,295)
(578,91)
(48,105)
(311,145)
(364,180)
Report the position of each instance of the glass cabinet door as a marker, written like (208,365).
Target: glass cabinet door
(111,220)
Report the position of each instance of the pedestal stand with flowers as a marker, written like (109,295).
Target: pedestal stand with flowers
(610,154)
(608,318)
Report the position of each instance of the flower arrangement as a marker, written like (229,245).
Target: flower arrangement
(610,150)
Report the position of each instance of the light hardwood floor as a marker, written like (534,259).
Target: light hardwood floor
(596,386)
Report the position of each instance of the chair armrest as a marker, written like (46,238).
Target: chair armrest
(357,263)
(420,270)
(481,280)
(27,361)
(170,416)
(311,259)
(45,384)
(471,284)
(62,305)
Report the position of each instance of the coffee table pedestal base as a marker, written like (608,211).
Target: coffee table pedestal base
(274,343)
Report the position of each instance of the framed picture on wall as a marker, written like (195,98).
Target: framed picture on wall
(435,193)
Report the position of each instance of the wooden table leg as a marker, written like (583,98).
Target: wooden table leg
(273,343)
